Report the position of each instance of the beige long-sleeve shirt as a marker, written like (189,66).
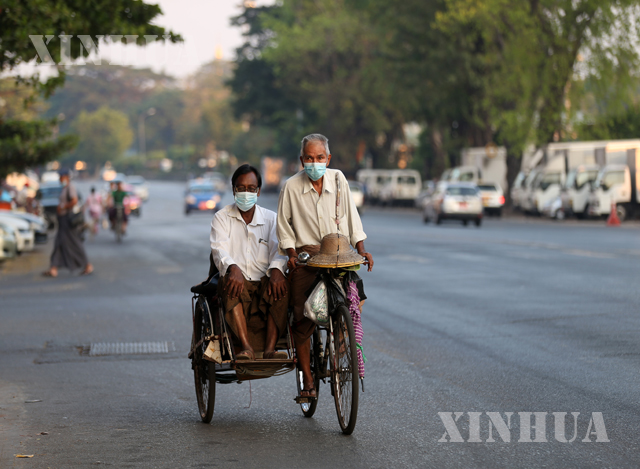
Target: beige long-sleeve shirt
(305,217)
(252,247)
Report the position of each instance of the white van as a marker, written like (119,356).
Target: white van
(547,188)
(373,180)
(577,188)
(402,187)
(617,182)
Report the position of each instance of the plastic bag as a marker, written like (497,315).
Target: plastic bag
(316,307)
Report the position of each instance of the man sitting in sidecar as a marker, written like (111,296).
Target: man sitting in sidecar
(252,287)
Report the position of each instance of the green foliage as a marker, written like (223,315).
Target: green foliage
(104,135)
(29,144)
(125,89)
(625,125)
(534,52)
(259,98)
(21,18)
(325,55)
(18,101)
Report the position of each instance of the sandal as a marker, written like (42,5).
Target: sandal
(273,355)
(48,273)
(246,355)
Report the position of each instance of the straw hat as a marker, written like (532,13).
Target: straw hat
(335,251)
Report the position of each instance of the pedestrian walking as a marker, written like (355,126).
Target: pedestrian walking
(94,207)
(68,251)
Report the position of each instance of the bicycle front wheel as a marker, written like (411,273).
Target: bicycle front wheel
(203,371)
(345,385)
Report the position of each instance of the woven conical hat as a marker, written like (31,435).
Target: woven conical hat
(335,251)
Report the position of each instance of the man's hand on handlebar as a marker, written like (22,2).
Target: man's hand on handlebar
(369,260)
(292,263)
(365,254)
(235,281)
(277,284)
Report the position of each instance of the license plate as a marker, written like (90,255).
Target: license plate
(463,205)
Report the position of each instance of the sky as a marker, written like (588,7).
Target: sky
(205,27)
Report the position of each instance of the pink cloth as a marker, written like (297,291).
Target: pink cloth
(354,308)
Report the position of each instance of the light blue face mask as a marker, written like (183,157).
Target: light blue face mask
(315,170)
(245,200)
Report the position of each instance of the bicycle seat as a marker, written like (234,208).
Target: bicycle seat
(208,288)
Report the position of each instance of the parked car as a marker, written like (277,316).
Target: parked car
(454,201)
(140,187)
(200,196)
(8,242)
(49,197)
(357,194)
(37,224)
(492,198)
(25,237)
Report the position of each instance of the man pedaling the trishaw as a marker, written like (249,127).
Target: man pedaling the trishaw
(306,214)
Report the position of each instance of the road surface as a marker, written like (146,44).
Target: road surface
(517,316)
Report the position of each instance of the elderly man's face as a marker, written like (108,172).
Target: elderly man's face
(314,152)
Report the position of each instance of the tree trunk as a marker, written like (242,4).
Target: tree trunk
(514,161)
(440,157)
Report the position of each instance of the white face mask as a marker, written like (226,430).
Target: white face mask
(245,200)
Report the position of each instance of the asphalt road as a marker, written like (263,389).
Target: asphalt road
(517,316)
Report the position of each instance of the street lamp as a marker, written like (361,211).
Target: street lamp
(141,131)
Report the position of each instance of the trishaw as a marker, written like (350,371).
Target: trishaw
(333,351)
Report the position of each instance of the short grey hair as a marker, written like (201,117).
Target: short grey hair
(315,138)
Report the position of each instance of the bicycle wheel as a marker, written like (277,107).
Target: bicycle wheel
(345,384)
(309,408)
(203,371)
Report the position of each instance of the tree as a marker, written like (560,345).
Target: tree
(437,77)
(258,97)
(89,87)
(28,144)
(104,135)
(207,120)
(534,51)
(21,18)
(325,54)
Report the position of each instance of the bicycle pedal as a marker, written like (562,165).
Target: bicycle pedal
(304,400)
